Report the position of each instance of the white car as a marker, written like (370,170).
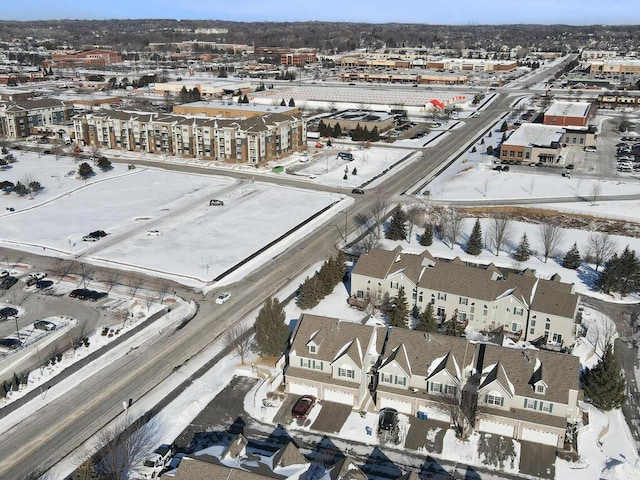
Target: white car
(153,233)
(33,275)
(223,297)
(89,238)
(4,273)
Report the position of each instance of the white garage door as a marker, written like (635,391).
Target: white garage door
(338,396)
(537,436)
(403,407)
(496,428)
(302,389)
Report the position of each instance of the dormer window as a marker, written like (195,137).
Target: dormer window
(541,389)
(312,349)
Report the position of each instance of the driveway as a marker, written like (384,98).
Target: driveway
(425,434)
(331,417)
(537,459)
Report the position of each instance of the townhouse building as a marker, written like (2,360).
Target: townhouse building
(247,140)
(483,297)
(22,118)
(506,391)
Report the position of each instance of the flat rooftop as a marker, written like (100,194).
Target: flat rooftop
(569,109)
(361,116)
(244,107)
(535,135)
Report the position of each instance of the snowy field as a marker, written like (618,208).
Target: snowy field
(197,242)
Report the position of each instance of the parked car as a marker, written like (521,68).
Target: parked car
(44,325)
(78,291)
(34,275)
(89,238)
(4,273)
(498,168)
(10,343)
(223,297)
(8,312)
(7,282)
(95,296)
(345,155)
(98,234)
(303,406)
(569,167)
(357,191)
(505,168)
(590,148)
(388,419)
(30,281)
(42,284)
(216,203)
(153,233)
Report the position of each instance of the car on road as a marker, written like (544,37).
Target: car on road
(303,406)
(216,203)
(44,325)
(569,167)
(154,233)
(10,343)
(357,191)
(223,297)
(89,238)
(8,312)
(388,419)
(11,209)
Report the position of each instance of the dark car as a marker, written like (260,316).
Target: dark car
(98,234)
(8,312)
(86,294)
(570,166)
(77,292)
(505,168)
(7,282)
(95,296)
(388,419)
(44,325)
(303,406)
(42,284)
(10,343)
(357,191)
(498,168)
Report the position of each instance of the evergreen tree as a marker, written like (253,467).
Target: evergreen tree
(398,310)
(474,244)
(309,293)
(397,225)
(354,171)
(272,333)
(3,390)
(291,102)
(356,133)
(283,103)
(426,239)
(16,382)
(504,127)
(245,99)
(239,98)
(322,129)
(489,135)
(375,134)
(84,170)
(607,280)
(337,130)
(490,150)
(474,149)
(572,258)
(453,327)
(523,251)
(628,272)
(427,320)
(20,188)
(604,385)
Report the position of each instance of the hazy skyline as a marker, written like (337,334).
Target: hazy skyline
(572,12)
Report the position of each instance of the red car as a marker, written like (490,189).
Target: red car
(303,406)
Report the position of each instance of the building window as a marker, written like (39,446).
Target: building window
(442,296)
(317,365)
(347,373)
(547,325)
(305,362)
(519,154)
(512,153)
(518,311)
(312,349)
(462,316)
(435,387)
(463,301)
(394,285)
(401,381)
(531,404)
(516,327)
(527,155)
(546,407)
(540,389)
(450,390)
(497,400)
(485,311)
(386,378)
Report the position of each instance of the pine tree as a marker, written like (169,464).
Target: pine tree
(453,327)
(337,130)
(3,390)
(604,385)
(397,225)
(504,127)
(490,150)
(283,103)
(308,293)
(15,386)
(292,103)
(322,129)
(426,239)
(572,258)
(607,280)
(272,333)
(375,134)
(523,251)
(427,320)
(399,310)
(628,272)
(474,244)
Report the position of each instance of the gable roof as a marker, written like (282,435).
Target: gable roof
(346,469)
(287,456)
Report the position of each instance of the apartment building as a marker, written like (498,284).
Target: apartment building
(486,298)
(510,392)
(22,118)
(252,140)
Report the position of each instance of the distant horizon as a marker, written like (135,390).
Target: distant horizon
(460,13)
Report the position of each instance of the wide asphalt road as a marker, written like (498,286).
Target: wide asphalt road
(60,427)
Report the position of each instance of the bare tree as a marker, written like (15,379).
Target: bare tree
(134,285)
(240,340)
(450,225)
(378,212)
(110,279)
(64,267)
(499,232)
(596,189)
(600,246)
(122,449)
(162,287)
(462,409)
(415,215)
(94,150)
(550,237)
(368,242)
(86,274)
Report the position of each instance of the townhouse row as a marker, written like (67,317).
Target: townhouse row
(483,297)
(511,392)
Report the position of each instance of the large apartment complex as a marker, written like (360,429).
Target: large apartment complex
(510,392)
(246,140)
(486,298)
(22,118)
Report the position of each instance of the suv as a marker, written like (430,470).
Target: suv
(388,419)
(44,325)
(216,203)
(7,282)
(357,191)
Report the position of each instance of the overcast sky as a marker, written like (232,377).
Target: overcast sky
(460,12)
